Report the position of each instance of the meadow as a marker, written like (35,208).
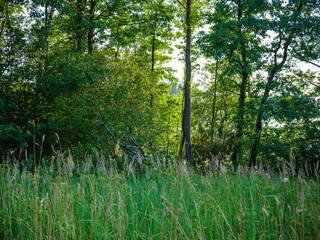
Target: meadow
(166,201)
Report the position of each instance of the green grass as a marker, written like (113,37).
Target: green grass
(170,204)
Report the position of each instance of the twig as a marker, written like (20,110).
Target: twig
(182,5)
(135,149)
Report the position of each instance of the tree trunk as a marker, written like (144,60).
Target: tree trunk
(183,139)
(152,64)
(168,139)
(258,129)
(240,115)
(240,122)
(213,119)
(187,85)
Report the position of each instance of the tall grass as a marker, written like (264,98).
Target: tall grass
(167,203)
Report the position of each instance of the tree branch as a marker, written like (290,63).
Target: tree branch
(314,64)
(135,149)
(182,5)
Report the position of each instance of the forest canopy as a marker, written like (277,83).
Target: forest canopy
(66,65)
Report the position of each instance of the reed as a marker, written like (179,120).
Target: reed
(170,203)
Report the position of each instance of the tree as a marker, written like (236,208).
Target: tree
(186,112)
(238,32)
(293,18)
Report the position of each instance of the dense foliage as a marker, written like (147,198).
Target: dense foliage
(62,63)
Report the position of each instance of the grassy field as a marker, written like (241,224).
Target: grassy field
(161,204)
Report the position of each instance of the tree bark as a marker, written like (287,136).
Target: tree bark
(168,130)
(240,122)
(187,85)
(153,47)
(213,119)
(183,139)
(240,115)
(258,129)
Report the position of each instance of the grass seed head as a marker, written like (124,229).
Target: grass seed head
(265,211)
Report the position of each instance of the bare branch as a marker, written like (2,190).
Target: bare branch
(182,5)
(314,64)
(314,84)
(301,58)
(97,108)
(135,149)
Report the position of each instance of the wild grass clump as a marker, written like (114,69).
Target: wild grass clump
(170,203)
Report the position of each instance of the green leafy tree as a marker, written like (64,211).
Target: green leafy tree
(287,23)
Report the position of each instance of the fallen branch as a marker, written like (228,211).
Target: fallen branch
(135,149)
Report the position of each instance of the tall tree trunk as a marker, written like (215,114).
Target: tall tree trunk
(275,68)
(183,139)
(153,47)
(187,85)
(258,129)
(240,122)
(168,139)
(240,115)
(213,119)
